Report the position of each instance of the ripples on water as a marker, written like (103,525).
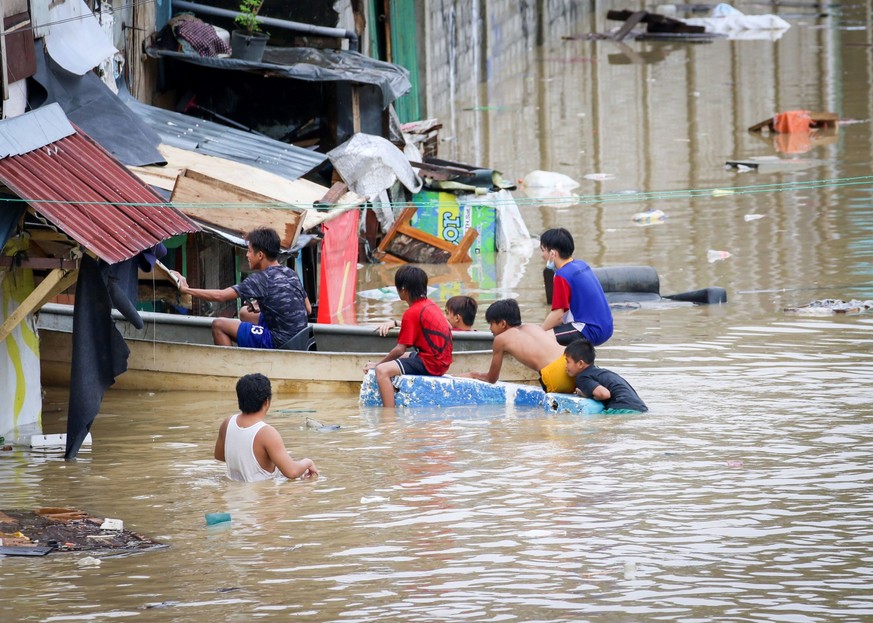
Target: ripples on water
(744,494)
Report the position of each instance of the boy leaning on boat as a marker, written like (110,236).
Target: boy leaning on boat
(283,307)
(423,327)
(528,343)
(601,384)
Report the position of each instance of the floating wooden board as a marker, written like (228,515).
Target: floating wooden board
(818,119)
(193,187)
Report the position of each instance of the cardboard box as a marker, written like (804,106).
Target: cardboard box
(439,215)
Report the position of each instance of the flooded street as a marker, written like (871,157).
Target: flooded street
(744,494)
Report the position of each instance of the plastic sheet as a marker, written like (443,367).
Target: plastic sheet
(371,164)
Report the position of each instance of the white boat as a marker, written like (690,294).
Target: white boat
(174,352)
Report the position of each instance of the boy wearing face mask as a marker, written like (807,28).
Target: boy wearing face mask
(579,306)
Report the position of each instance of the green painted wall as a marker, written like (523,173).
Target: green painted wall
(404,49)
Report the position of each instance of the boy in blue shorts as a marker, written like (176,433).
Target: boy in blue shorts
(423,327)
(613,391)
(283,307)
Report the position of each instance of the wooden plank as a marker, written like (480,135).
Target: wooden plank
(462,251)
(411,245)
(356,109)
(57,281)
(766,123)
(427,238)
(818,119)
(193,187)
(629,24)
(39,263)
(404,218)
(334,194)
(414,250)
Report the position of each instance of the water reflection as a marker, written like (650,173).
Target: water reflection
(742,495)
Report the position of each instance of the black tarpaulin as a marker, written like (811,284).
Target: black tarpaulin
(92,106)
(99,351)
(313,66)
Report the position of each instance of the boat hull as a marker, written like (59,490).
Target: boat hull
(157,364)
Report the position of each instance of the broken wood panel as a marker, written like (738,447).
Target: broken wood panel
(193,187)
(409,249)
(442,252)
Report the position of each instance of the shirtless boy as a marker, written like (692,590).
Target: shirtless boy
(529,344)
(252,449)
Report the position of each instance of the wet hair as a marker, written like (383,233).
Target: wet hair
(464,306)
(265,240)
(504,309)
(252,391)
(413,280)
(560,240)
(581,350)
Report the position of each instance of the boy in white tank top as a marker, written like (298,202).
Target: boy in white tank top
(252,449)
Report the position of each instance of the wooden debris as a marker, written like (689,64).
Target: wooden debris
(655,23)
(255,210)
(32,533)
(817,120)
(404,243)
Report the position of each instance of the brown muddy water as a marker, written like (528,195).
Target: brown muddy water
(745,494)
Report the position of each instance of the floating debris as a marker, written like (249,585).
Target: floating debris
(716,256)
(827,307)
(216,518)
(320,426)
(66,530)
(649,217)
(599,177)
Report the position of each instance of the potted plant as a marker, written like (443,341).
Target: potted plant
(249,40)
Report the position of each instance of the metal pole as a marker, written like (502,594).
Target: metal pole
(320,31)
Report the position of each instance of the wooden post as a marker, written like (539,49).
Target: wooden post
(4,63)
(356,109)
(57,281)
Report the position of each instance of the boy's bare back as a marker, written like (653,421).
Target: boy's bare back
(530,345)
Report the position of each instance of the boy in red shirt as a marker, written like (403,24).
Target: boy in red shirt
(423,327)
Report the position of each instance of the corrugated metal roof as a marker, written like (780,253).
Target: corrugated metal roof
(77,186)
(207,137)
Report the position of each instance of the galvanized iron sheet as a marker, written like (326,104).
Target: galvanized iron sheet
(81,189)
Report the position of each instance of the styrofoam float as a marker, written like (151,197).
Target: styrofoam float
(449,391)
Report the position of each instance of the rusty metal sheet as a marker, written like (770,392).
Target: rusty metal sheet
(80,188)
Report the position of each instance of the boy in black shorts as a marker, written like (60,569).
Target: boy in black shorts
(423,327)
(613,391)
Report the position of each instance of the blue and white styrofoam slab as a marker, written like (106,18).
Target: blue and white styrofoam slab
(449,391)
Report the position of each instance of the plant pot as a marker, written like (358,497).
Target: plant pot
(248,47)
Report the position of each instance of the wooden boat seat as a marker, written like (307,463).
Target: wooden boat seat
(304,340)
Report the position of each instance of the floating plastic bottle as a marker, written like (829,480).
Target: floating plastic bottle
(650,217)
(216,518)
(716,256)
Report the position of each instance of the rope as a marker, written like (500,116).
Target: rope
(572,200)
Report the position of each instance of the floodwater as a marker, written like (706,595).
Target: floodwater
(745,494)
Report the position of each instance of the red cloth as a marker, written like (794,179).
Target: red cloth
(425,327)
(339,260)
(792,121)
